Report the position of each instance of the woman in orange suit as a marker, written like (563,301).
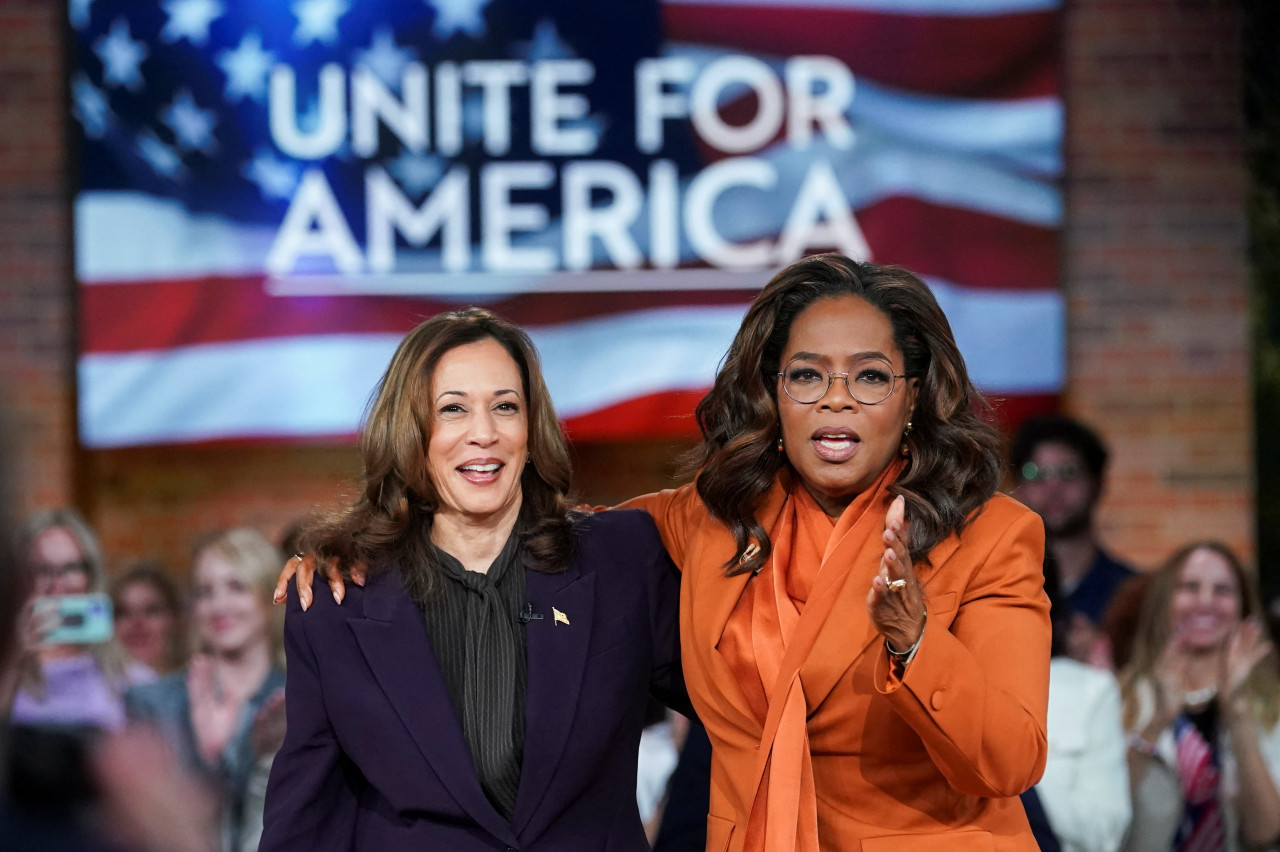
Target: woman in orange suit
(864,628)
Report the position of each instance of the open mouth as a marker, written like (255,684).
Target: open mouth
(835,445)
(481,473)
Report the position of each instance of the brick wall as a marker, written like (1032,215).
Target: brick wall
(1153,268)
(36,321)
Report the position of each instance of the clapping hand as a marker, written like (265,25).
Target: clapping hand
(1246,647)
(1170,674)
(896,601)
(267,734)
(214,713)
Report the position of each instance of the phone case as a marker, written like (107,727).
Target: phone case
(81,619)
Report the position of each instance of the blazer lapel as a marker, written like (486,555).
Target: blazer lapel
(709,604)
(396,646)
(558,644)
(849,631)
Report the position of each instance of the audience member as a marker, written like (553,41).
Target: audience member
(1059,465)
(67,683)
(223,713)
(148,612)
(128,797)
(1202,705)
(1083,798)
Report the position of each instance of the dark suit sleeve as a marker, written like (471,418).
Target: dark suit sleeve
(667,682)
(311,804)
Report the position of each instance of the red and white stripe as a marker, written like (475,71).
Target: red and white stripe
(953,175)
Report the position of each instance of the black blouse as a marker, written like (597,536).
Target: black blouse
(473,622)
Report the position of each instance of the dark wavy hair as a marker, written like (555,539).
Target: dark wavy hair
(390,522)
(954,462)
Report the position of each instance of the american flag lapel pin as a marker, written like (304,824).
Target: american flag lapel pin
(558,617)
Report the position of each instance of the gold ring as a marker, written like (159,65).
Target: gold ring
(896,585)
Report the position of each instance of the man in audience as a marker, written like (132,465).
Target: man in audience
(1060,466)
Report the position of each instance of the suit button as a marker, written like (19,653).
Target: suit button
(935,701)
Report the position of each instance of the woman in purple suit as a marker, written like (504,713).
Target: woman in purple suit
(486,688)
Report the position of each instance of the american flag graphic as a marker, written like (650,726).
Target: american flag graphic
(1201,828)
(270,194)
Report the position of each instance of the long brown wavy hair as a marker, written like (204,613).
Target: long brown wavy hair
(390,522)
(1155,629)
(954,462)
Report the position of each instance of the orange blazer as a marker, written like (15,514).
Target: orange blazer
(933,760)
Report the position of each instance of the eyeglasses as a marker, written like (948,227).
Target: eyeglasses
(1065,472)
(870,381)
(62,569)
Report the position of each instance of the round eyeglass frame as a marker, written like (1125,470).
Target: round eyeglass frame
(831,377)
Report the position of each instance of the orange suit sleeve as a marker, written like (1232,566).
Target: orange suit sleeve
(674,511)
(977,691)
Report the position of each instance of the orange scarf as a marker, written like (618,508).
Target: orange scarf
(768,638)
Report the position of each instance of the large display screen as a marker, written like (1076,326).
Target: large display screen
(270,194)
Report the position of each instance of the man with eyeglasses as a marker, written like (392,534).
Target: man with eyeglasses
(1059,466)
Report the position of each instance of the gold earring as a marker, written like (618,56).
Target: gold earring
(779,443)
(904,450)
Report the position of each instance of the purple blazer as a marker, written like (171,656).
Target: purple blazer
(374,756)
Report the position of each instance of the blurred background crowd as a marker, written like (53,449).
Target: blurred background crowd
(1158,494)
(1164,687)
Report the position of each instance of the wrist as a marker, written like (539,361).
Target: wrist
(906,652)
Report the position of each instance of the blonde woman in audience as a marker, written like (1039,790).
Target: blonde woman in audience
(1202,703)
(67,683)
(223,713)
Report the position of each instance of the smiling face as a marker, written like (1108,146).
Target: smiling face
(479,434)
(1206,605)
(230,614)
(144,623)
(838,445)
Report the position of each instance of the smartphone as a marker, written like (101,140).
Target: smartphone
(75,619)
